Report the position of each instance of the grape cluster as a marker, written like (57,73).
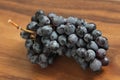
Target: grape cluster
(72,37)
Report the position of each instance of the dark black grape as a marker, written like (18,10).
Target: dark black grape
(25,35)
(105,61)
(90,27)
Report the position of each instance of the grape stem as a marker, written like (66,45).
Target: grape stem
(19,27)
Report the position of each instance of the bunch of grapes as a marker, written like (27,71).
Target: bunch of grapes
(73,37)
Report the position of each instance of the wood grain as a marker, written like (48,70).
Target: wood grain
(14,64)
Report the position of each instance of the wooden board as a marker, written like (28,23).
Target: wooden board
(14,64)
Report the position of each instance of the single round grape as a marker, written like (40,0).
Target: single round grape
(80,22)
(45,20)
(90,27)
(105,61)
(42,58)
(81,52)
(106,46)
(60,29)
(33,18)
(58,20)
(46,30)
(32,26)
(88,38)
(52,15)
(95,65)
(84,65)
(73,38)
(45,40)
(81,31)
(101,53)
(92,45)
(36,47)
(69,29)
(28,43)
(73,51)
(54,45)
(71,20)
(96,33)
(90,55)
(39,13)
(53,35)
(39,31)
(33,58)
(101,41)
(62,40)
(25,35)
(81,43)
(40,19)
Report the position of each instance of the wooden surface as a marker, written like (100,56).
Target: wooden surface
(14,64)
